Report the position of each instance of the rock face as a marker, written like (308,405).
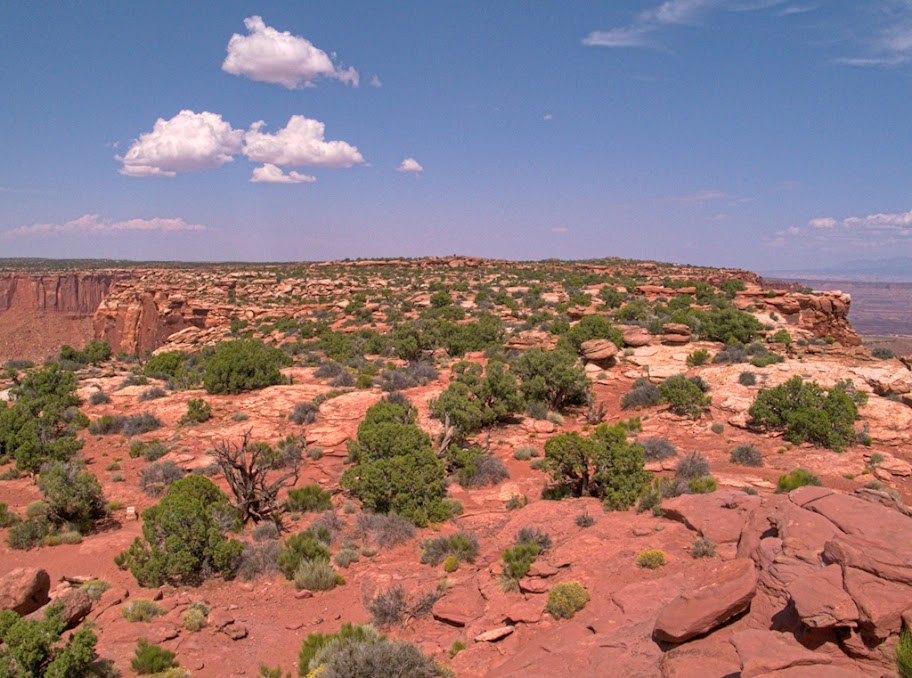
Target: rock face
(728,591)
(75,606)
(74,293)
(24,590)
(823,314)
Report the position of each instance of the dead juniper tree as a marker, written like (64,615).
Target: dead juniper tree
(246,467)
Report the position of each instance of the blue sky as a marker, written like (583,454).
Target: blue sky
(749,133)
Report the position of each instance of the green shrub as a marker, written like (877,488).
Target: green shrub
(904,654)
(198,411)
(698,357)
(315,642)
(883,353)
(462,546)
(95,588)
(141,610)
(702,485)
(473,401)
(7,517)
(566,599)
(518,560)
(153,393)
(718,427)
(346,557)
(729,325)
(386,531)
(194,619)
(642,394)
(799,477)
(99,398)
(451,564)
(684,396)
(658,448)
(588,328)
(765,360)
(298,549)
(584,519)
(308,498)
(243,365)
(149,659)
(553,377)
(94,353)
(746,455)
(458,646)
(32,648)
(158,477)
(651,559)
(42,423)
(72,493)
(475,468)
(183,535)
(807,413)
(316,575)
(304,413)
(28,533)
(692,465)
(747,378)
(151,450)
(781,337)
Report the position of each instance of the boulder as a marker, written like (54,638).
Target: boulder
(24,589)
(820,600)
(75,606)
(729,590)
(675,339)
(598,349)
(460,606)
(676,328)
(765,652)
(637,336)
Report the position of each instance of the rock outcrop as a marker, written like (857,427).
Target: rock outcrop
(24,589)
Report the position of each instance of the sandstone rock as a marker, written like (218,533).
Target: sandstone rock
(820,600)
(881,602)
(637,336)
(494,634)
(729,589)
(24,589)
(460,606)
(235,631)
(524,341)
(675,339)
(676,328)
(75,606)
(598,350)
(765,652)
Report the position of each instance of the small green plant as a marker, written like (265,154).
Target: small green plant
(747,378)
(451,564)
(308,498)
(316,575)
(651,559)
(718,427)
(566,599)
(198,411)
(795,479)
(746,455)
(150,659)
(194,619)
(703,547)
(141,610)
(516,564)
(702,485)
(517,502)
(698,357)
(458,646)
(904,654)
(585,520)
(95,588)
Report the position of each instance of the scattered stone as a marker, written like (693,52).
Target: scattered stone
(494,634)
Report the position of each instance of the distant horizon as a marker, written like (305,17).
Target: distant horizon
(754,135)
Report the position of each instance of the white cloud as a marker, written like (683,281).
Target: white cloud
(639,33)
(375,81)
(90,224)
(410,165)
(712,196)
(548,116)
(300,143)
(880,230)
(270,174)
(822,222)
(189,141)
(268,55)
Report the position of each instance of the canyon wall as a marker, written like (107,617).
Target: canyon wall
(41,312)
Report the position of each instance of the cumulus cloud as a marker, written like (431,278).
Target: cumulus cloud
(92,224)
(268,55)
(880,230)
(189,141)
(375,81)
(410,166)
(300,143)
(270,174)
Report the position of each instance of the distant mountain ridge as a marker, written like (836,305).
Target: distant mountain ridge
(892,269)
